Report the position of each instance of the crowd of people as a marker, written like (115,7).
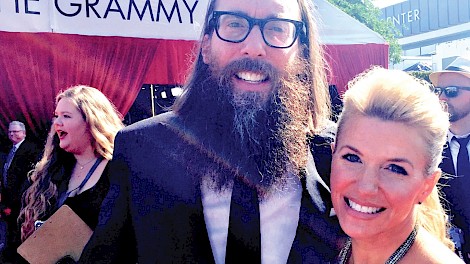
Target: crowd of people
(249,165)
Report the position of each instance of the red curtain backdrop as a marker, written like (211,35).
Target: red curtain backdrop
(346,61)
(172,62)
(34,67)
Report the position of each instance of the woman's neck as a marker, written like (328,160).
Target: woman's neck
(377,250)
(86,156)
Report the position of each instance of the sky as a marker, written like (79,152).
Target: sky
(385,3)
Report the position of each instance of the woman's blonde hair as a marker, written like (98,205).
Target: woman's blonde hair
(53,171)
(393,95)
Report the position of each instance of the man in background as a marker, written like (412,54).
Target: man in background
(21,158)
(453,87)
(228,175)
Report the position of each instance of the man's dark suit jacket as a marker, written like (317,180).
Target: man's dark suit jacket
(24,160)
(153,212)
(457,198)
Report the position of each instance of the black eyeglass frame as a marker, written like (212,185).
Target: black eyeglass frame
(214,23)
(448,90)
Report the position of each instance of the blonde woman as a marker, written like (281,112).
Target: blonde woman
(385,169)
(75,160)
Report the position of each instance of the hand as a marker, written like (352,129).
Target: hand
(66,260)
(7,211)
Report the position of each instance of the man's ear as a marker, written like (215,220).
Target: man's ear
(205,49)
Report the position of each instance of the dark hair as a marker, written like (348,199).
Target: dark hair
(312,51)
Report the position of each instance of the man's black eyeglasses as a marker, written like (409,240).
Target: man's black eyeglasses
(235,27)
(450,91)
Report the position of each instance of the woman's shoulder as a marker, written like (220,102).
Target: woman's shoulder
(430,250)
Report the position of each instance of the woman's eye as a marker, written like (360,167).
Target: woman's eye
(397,169)
(351,158)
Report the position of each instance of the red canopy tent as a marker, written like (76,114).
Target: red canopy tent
(34,67)
(350,46)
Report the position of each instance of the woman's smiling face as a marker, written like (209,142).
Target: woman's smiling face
(378,176)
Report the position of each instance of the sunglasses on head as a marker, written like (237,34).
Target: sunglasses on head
(450,91)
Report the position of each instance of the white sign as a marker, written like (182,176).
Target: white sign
(403,18)
(162,19)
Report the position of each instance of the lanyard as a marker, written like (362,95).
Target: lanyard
(65,195)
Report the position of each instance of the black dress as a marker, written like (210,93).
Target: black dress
(87,204)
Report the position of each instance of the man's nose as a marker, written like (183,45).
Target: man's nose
(254,45)
(443,97)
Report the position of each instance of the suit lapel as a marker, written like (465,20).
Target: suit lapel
(11,179)
(456,193)
(318,236)
(209,144)
(202,245)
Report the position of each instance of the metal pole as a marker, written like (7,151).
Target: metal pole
(152,99)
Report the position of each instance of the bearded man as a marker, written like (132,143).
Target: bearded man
(228,176)
(452,85)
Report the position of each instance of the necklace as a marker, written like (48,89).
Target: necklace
(345,253)
(64,195)
(81,166)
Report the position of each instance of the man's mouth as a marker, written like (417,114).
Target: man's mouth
(363,209)
(251,77)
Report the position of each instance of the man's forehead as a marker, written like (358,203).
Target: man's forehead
(262,8)
(15,127)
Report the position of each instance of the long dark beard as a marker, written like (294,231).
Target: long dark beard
(250,108)
(271,128)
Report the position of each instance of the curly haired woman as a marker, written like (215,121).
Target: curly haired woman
(74,165)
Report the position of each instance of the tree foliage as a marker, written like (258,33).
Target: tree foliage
(365,12)
(424,75)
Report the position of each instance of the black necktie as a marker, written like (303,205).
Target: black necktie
(463,163)
(459,195)
(7,164)
(244,238)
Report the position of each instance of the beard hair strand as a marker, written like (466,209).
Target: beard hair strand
(272,128)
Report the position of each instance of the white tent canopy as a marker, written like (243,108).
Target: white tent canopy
(155,19)
(337,27)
